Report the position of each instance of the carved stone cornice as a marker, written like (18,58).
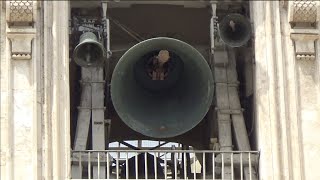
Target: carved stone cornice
(21,13)
(304,45)
(303,17)
(303,11)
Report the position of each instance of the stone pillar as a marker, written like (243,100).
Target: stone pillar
(19,100)
(34,90)
(287,88)
(55,124)
(305,34)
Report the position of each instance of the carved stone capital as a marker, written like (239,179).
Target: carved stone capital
(21,13)
(21,45)
(303,11)
(305,46)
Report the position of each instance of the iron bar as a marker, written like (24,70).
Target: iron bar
(145,166)
(194,166)
(89,166)
(241,167)
(98,165)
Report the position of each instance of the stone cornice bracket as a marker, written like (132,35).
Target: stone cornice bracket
(305,12)
(304,45)
(21,16)
(21,45)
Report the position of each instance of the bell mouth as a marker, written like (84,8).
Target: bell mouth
(235,30)
(89,54)
(167,108)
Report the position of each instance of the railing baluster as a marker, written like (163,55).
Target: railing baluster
(222,166)
(175,166)
(185,165)
(117,164)
(89,165)
(241,167)
(250,172)
(194,166)
(108,166)
(80,165)
(145,166)
(165,165)
(127,167)
(213,164)
(232,173)
(155,166)
(136,165)
(98,165)
(204,164)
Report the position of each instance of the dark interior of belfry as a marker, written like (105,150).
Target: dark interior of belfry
(145,104)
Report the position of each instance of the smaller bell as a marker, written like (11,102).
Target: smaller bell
(235,30)
(89,52)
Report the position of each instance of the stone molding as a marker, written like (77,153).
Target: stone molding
(21,16)
(304,45)
(303,11)
(21,45)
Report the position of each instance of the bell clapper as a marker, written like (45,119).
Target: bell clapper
(232,25)
(158,69)
(88,57)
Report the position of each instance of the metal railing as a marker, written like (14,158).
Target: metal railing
(169,164)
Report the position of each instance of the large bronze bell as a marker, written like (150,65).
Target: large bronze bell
(162,108)
(89,52)
(235,30)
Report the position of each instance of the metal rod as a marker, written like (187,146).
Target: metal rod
(167,151)
(145,166)
(80,165)
(175,167)
(185,165)
(89,165)
(222,166)
(155,166)
(232,173)
(98,165)
(165,166)
(204,165)
(241,167)
(194,166)
(250,171)
(136,165)
(108,166)
(213,168)
(127,167)
(117,165)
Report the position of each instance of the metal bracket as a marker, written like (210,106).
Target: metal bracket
(229,111)
(89,82)
(79,107)
(232,84)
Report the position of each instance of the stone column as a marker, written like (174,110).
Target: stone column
(35,90)
(287,88)
(56,128)
(305,34)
